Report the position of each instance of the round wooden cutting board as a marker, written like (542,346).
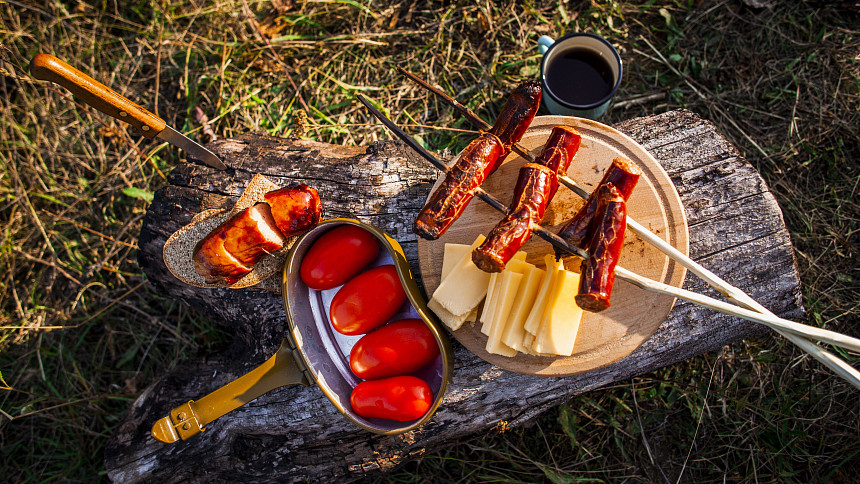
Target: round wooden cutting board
(635,314)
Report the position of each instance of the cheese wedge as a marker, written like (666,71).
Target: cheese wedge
(516,265)
(562,319)
(536,314)
(509,284)
(513,331)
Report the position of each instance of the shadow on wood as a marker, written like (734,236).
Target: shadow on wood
(294,433)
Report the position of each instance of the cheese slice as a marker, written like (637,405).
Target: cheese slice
(513,331)
(562,319)
(516,265)
(453,256)
(547,309)
(472,316)
(454,253)
(528,340)
(509,283)
(464,287)
(535,316)
(453,322)
(490,301)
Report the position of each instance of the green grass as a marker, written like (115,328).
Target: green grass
(82,335)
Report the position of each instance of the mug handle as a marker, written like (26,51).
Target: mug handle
(544,43)
(188,419)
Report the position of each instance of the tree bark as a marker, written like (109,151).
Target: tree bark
(294,433)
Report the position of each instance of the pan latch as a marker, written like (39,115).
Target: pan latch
(180,424)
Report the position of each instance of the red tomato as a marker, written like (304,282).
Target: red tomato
(398,348)
(400,398)
(367,301)
(337,256)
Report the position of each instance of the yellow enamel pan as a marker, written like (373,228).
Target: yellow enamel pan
(312,352)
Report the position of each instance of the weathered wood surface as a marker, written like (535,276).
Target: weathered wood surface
(294,433)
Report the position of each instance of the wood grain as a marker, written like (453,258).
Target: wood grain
(294,434)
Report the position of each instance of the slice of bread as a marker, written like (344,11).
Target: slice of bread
(179,248)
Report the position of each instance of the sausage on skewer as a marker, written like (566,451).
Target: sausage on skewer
(623,174)
(536,185)
(477,162)
(604,249)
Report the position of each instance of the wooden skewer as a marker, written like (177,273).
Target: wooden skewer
(769,320)
(734,294)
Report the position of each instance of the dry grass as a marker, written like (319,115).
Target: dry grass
(82,335)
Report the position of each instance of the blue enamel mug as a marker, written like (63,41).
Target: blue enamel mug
(580,73)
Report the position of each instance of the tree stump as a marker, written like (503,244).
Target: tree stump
(294,433)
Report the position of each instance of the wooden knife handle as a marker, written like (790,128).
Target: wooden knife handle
(48,68)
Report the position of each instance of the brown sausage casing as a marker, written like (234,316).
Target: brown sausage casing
(250,234)
(559,149)
(226,253)
(536,185)
(604,249)
(230,251)
(477,162)
(295,209)
(518,113)
(623,174)
(445,205)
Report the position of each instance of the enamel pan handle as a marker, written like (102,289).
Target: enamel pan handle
(190,418)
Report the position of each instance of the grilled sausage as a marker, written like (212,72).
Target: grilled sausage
(624,175)
(518,113)
(229,251)
(295,209)
(447,203)
(536,185)
(604,249)
(477,162)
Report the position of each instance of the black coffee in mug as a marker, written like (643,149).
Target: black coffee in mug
(579,76)
(580,73)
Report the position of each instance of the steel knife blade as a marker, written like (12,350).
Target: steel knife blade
(49,68)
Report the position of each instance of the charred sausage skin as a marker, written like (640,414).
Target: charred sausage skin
(536,185)
(623,174)
(532,194)
(296,208)
(248,235)
(211,258)
(477,162)
(445,205)
(604,249)
(229,252)
(518,113)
